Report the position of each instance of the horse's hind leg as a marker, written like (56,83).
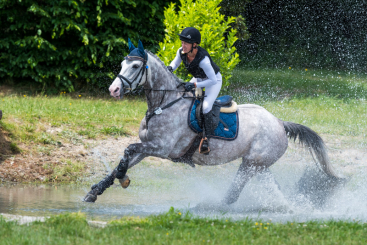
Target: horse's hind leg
(266,176)
(244,174)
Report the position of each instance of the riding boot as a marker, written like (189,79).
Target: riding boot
(208,132)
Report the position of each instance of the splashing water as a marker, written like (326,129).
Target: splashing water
(291,193)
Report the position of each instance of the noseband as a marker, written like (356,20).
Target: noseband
(142,70)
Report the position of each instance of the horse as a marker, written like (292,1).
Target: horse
(164,132)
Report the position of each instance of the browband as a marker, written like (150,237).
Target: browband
(134,58)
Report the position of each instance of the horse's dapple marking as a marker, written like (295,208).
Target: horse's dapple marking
(231,119)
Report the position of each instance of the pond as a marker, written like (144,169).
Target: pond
(157,187)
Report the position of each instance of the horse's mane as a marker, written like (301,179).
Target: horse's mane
(163,66)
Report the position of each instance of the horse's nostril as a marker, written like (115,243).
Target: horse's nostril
(116,90)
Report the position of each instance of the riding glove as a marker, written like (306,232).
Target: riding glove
(189,86)
(170,69)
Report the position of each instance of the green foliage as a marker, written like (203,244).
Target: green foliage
(61,44)
(217,35)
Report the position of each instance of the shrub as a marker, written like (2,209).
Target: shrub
(217,36)
(58,44)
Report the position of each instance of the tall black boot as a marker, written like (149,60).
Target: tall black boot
(208,132)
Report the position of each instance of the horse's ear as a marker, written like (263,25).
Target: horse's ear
(141,48)
(131,45)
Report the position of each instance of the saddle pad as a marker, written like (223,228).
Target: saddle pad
(231,119)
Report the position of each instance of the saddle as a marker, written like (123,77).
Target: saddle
(226,123)
(223,104)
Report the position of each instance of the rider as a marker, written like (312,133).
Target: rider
(205,74)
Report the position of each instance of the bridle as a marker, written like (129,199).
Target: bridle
(158,110)
(142,70)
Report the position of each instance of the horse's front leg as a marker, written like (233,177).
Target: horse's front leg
(133,154)
(119,172)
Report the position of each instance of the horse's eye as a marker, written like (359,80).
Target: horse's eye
(135,66)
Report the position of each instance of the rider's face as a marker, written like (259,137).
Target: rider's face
(186,47)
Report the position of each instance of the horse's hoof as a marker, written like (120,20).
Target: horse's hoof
(125,182)
(90,198)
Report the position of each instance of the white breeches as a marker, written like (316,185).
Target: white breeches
(211,94)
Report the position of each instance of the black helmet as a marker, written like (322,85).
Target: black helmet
(190,35)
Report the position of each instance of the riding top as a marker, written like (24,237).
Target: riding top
(194,67)
(205,72)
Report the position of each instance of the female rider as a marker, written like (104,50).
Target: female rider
(205,74)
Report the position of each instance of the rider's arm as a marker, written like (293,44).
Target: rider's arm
(177,61)
(210,73)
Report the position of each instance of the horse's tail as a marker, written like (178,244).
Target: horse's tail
(313,142)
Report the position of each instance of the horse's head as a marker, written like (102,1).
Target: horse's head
(133,71)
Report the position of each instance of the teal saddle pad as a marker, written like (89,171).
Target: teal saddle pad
(221,132)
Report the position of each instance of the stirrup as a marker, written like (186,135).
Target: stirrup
(204,146)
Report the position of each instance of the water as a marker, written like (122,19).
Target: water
(157,187)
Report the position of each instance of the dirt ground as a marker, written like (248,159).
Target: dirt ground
(102,155)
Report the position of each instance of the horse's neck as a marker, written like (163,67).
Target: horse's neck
(160,87)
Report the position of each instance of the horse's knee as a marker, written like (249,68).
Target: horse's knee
(130,150)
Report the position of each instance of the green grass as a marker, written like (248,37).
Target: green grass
(33,118)
(277,84)
(174,227)
(332,103)
(329,102)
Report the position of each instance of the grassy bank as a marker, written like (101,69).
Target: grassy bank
(29,118)
(177,228)
(330,103)
(41,137)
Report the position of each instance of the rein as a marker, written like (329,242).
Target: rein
(158,110)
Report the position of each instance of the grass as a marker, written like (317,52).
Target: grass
(277,84)
(31,118)
(332,103)
(175,227)
(54,121)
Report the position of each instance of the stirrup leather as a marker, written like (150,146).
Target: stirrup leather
(204,146)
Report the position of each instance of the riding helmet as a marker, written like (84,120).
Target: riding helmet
(190,35)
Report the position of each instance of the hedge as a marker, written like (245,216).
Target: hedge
(58,44)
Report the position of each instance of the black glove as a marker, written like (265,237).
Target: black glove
(189,86)
(170,69)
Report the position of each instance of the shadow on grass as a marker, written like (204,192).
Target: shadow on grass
(249,85)
(7,148)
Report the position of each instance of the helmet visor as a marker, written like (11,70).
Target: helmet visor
(186,39)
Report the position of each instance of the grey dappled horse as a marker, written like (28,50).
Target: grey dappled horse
(262,138)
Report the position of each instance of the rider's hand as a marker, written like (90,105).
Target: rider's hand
(170,69)
(189,86)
